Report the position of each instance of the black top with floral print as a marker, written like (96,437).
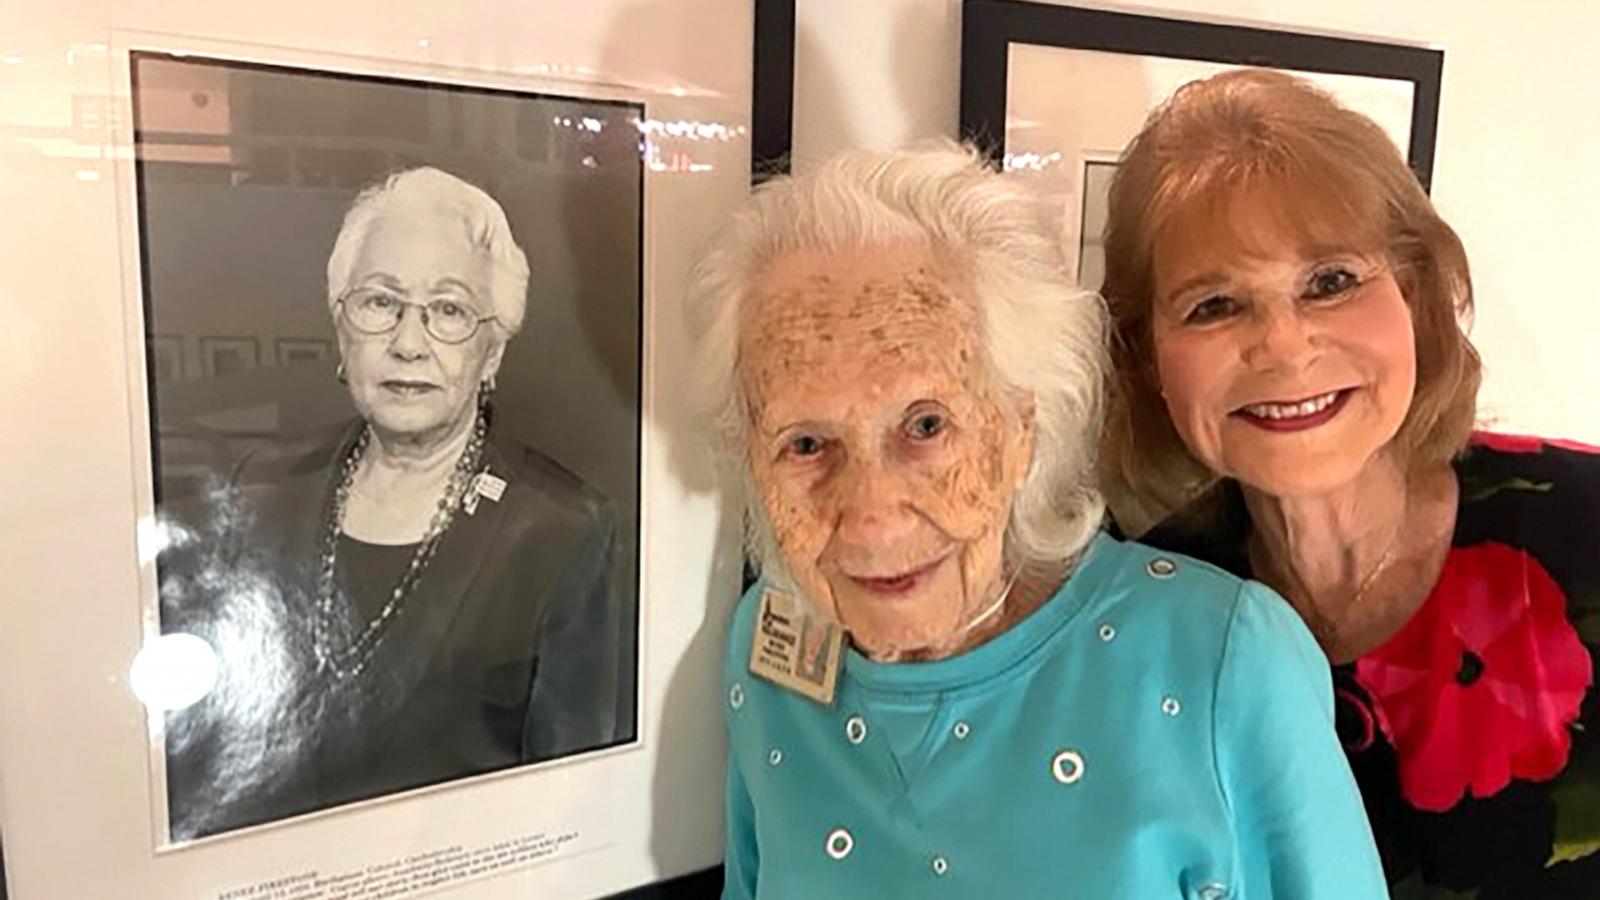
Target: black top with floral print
(1473,732)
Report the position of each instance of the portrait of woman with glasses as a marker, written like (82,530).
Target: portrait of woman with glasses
(427,598)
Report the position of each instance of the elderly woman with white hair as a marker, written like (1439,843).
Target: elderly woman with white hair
(947,681)
(435,598)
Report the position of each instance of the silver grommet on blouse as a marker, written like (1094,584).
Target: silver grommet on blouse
(855,729)
(1161,567)
(1107,632)
(940,865)
(1067,766)
(839,843)
(775,757)
(1170,705)
(961,730)
(736,696)
(1213,891)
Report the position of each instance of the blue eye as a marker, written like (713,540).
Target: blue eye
(1330,282)
(926,426)
(1211,309)
(804,445)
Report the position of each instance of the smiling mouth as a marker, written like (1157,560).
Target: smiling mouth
(408,388)
(898,584)
(1296,415)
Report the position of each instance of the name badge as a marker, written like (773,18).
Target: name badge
(795,648)
(485,485)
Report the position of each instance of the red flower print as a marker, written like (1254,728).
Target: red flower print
(1522,443)
(1481,685)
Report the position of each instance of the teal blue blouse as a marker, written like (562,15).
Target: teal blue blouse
(1158,728)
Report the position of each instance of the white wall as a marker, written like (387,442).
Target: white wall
(1517,170)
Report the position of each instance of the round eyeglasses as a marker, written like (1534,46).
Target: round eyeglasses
(378,311)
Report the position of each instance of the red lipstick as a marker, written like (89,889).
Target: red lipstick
(1296,416)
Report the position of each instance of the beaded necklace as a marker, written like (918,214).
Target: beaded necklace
(353,658)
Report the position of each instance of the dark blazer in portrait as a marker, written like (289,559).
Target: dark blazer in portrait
(507,650)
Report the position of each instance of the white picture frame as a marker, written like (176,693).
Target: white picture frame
(82,564)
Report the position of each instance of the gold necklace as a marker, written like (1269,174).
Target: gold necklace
(1330,628)
(1325,628)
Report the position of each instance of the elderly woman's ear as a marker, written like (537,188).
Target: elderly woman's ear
(1026,432)
(1027,412)
(491,362)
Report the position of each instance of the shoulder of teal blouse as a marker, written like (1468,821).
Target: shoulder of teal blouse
(1299,821)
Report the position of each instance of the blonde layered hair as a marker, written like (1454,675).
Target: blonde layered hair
(1335,179)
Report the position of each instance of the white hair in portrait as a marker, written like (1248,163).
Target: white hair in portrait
(1044,337)
(429,191)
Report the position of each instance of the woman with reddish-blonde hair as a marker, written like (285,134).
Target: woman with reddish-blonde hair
(1295,398)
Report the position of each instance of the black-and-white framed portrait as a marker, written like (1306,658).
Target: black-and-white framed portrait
(1053,93)
(361,540)
(416,563)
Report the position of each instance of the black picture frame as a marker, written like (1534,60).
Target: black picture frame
(771,138)
(772,90)
(990,27)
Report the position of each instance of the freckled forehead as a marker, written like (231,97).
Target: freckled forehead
(816,303)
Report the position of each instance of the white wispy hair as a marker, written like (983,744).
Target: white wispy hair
(1044,338)
(429,191)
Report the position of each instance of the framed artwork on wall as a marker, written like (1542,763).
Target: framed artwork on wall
(303,351)
(221,357)
(1053,93)
(474,228)
(426,220)
(166,358)
(772,89)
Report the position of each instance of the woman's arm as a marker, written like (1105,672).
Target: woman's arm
(574,702)
(743,859)
(742,855)
(1297,816)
